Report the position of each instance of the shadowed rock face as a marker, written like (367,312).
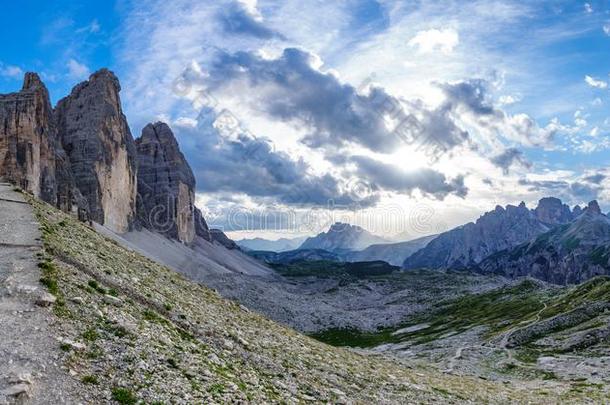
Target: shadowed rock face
(27,137)
(95,135)
(31,154)
(166,185)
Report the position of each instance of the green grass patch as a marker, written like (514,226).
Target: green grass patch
(95,286)
(90,335)
(327,268)
(90,379)
(124,396)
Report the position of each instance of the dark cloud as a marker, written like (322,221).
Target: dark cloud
(249,165)
(237,19)
(471,94)
(472,97)
(584,192)
(509,157)
(595,178)
(576,191)
(335,114)
(545,185)
(389,177)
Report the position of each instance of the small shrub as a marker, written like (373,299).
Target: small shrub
(90,379)
(124,396)
(94,285)
(216,389)
(51,284)
(90,335)
(172,362)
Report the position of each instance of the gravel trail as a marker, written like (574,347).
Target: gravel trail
(30,371)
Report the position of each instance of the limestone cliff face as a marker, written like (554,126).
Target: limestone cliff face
(82,158)
(27,136)
(31,154)
(166,185)
(101,151)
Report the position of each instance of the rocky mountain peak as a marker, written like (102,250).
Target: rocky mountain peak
(98,143)
(593,208)
(81,157)
(494,231)
(576,211)
(32,81)
(27,134)
(107,76)
(551,210)
(343,227)
(342,236)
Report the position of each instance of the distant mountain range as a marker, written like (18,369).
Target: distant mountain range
(392,253)
(568,254)
(280,245)
(552,242)
(343,237)
(502,228)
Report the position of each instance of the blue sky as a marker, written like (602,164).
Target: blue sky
(518,92)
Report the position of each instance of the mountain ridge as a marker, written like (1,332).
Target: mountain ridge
(569,254)
(342,237)
(502,228)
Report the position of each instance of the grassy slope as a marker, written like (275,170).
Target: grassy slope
(151,335)
(499,310)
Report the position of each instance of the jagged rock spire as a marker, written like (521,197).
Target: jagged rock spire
(166,184)
(101,149)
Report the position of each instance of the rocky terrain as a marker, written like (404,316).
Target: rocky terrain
(503,228)
(29,346)
(568,254)
(342,237)
(525,330)
(130,330)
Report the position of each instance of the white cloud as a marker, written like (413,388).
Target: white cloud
(606,29)
(92,28)
(588,8)
(594,132)
(508,100)
(435,40)
(12,72)
(185,122)
(77,70)
(600,84)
